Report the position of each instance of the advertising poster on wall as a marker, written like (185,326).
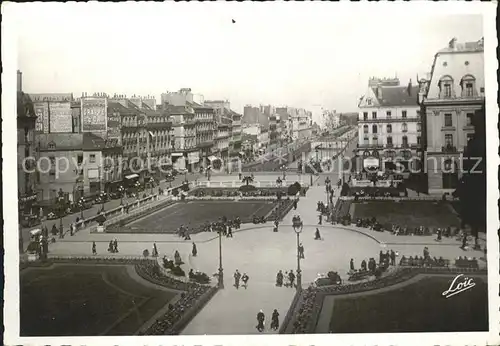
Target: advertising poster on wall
(42,117)
(94,114)
(60,117)
(194,157)
(114,126)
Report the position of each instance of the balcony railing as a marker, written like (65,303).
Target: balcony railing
(449,149)
(391,119)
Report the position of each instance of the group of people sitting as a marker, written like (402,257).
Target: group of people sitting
(448,232)
(370,223)
(423,261)
(466,262)
(370,268)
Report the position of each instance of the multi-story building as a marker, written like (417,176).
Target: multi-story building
(27,152)
(301,123)
(206,133)
(77,164)
(236,133)
(273,132)
(185,154)
(389,125)
(450,98)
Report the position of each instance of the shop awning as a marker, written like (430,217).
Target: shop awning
(132,176)
(371,162)
(211,158)
(177,154)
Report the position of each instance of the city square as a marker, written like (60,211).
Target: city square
(234,208)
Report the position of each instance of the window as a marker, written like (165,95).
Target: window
(365,116)
(448,120)
(51,146)
(405,141)
(469,90)
(403,113)
(80,159)
(388,113)
(418,114)
(419,140)
(365,129)
(389,128)
(448,140)
(389,140)
(469,137)
(92,158)
(445,87)
(450,175)
(374,129)
(404,127)
(374,115)
(468,86)
(468,119)
(419,127)
(447,90)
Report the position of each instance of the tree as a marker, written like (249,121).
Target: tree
(471,189)
(247,179)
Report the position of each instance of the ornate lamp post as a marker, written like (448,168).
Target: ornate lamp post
(81,204)
(297,227)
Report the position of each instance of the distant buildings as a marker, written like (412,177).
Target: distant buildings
(389,124)
(451,99)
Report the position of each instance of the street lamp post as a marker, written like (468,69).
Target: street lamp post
(220,277)
(60,202)
(297,227)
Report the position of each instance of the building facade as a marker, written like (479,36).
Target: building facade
(389,126)
(27,153)
(450,98)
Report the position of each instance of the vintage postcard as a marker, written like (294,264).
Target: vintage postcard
(250,173)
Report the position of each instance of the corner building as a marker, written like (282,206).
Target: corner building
(450,98)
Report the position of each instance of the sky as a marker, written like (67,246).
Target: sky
(300,55)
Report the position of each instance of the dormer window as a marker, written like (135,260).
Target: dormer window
(468,86)
(445,87)
(51,146)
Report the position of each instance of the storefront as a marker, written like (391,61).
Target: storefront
(214,162)
(178,161)
(193,161)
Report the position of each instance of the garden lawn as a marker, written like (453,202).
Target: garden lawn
(407,213)
(85,300)
(197,213)
(419,307)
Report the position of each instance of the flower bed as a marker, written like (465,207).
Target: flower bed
(311,299)
(182,311)
(236,192)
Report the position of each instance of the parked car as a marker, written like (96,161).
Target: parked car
(115,195)
(52,216)
(180,171)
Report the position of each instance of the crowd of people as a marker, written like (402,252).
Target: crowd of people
(237,277)
(371,267)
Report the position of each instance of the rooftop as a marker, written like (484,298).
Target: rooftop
(392,96)
(456,47)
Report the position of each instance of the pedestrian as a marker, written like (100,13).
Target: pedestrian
(115,243)
(195,250)
(380,257)
(111,247)
(295,204)
(320,219)
(351,265)
(260,321)
(94,250)
(155,250)
(291,278)
(229,232)
(439,234)
(317,235)
(393,258)
(245,278)
(464,241)
(237,277)
(275,324)
(239,176)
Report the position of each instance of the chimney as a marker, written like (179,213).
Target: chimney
(19,81)
(409,88)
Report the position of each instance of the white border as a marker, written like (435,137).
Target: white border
(13,13)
